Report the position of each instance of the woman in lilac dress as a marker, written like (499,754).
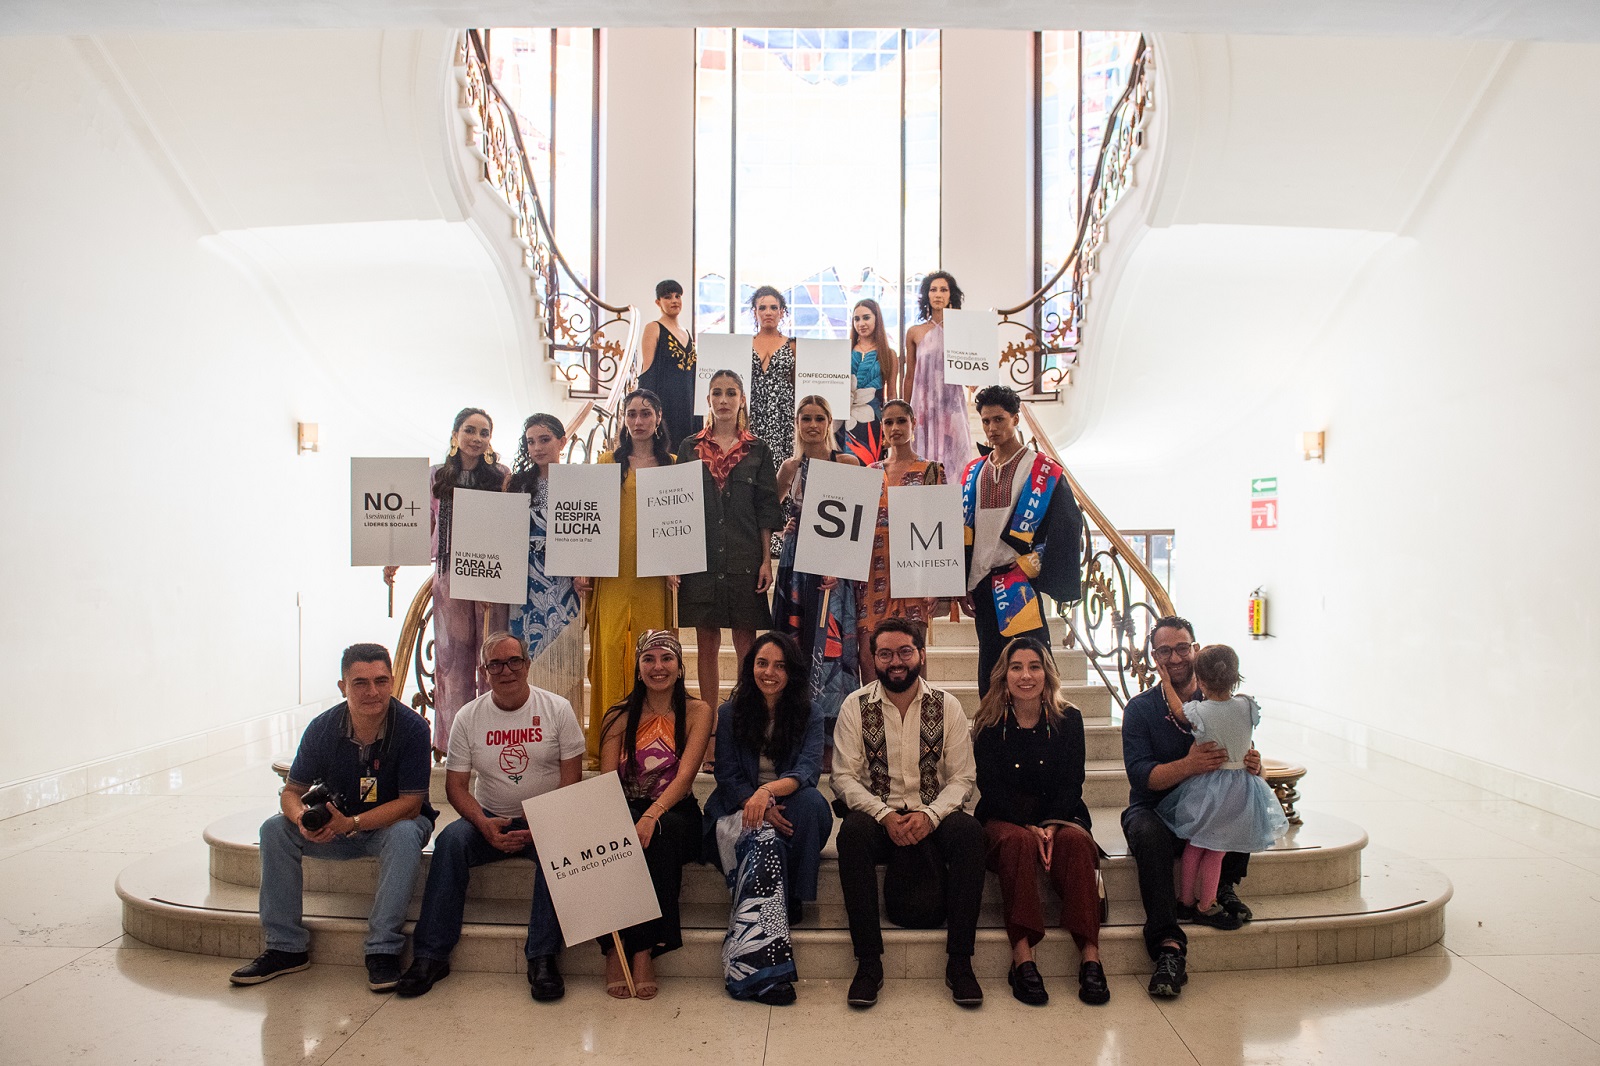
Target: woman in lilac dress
(943,432)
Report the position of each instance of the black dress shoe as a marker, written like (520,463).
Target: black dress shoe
(544,978)
(1092,987)
(422,976)
(962,982)
(1027,986)
(797,911)
(779,995)
(868,980)
(383,972)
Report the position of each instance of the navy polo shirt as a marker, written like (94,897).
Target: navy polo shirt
(1150,738)
(400,758)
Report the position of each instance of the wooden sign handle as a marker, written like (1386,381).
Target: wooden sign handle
(622,956)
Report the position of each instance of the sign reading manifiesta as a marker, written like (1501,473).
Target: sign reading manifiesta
(822,368)
(583,529)
(671,520)
(592,859)
(489,546)
(971,348)
(719,351)
(927,550)
(837,520)
(389,508)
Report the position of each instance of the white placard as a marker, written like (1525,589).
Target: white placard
(583,529)
(389,508)
(720,351)
(822,368)
(837,521)
(489,546)
(670,516)
(971,348)
(927,552)
(591,858)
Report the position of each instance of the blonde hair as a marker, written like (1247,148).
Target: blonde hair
(809,401)
(997,701)
(742,419)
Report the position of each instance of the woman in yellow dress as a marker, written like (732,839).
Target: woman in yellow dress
(622,608)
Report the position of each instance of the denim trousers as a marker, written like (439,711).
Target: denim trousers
(398,848)
(458,849)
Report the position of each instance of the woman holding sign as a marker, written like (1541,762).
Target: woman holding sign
(874,373)
(901,466)
(946,436)
(459,626)
(819,612)
(551,620)
(623,607)
(655,740)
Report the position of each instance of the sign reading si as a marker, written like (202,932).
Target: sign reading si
(592,859)
(927,555)
(837,520)
(489,546)
(971,348)
(583,529)
(719,351)
(389,508)
(670,519)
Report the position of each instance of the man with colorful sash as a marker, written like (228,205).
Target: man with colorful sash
(1024,534)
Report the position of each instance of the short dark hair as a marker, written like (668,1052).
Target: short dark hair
(998,396)
(364,653)
(1217,667)
(1172,621)
(668,288)
(912,629)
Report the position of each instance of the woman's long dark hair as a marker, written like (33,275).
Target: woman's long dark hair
(880,335)
(924,308)
(483,476)
(658,443)
(750,706)
(525,475)
(631,709)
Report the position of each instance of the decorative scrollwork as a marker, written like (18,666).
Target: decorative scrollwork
(414,651)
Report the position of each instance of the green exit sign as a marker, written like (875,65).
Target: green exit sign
(1263,486)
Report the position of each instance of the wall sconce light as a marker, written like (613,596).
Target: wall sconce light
(1311,445)
(306,436)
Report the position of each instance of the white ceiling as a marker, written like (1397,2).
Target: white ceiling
(1571,20)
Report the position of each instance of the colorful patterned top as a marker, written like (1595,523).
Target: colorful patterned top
(719,463)
(872,595)
(655,760)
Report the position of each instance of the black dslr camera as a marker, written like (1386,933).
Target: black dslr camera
(316,798)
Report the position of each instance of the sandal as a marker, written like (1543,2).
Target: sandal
(617,989)
(645,987)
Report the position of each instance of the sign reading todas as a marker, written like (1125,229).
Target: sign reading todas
(971,348)
(822,368)
(389,508)
(927,551)
(489,546)
(670,519)
(719,351)
(591,858)
(583,531)
(837,522)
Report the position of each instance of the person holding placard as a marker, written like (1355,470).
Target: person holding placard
(901,465)
(766,823)
(819,612)
(623,607)
(946,437)
(1024,534)
(458,625)
(551,619)
(772,371)
(668,364)
(742,513)
(874,369)
(654,740)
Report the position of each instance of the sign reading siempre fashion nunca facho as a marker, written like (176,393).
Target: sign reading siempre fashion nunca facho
(591,858)
(583,531)
(971,348)
(670,519)
(489,546)
(389,508)
(837,521)
(927,550)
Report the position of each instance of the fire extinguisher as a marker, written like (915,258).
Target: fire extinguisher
(1258,615)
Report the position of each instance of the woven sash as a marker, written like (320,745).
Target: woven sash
(930,747)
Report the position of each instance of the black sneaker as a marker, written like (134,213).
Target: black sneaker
(1027,986)
(269,964)
(962,982)
(779,995)
(1216,918)
(383,972)
(866,983)
(1171,975)
(1228,896)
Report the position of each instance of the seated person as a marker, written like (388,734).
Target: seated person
(371,755)
(523,742)
(766,822)
(904,777)
(656,739)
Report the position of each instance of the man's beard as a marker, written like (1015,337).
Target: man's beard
(1184,687)
(897,687)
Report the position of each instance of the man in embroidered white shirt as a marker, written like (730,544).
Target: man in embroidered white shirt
(902,765)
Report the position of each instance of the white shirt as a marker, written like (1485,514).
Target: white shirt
(989,524)
(902,745)
(517,753)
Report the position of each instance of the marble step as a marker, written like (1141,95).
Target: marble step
(952,663)
(1396,907)
(941,633)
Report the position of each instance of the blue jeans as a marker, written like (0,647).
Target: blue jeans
(399,851)
(457,850)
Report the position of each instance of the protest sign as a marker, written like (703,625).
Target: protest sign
(822,368)
(927,553)
(720,351)
(583,528)
(837,521)
(389,507)
(670,520)
(489,546)
(971,348)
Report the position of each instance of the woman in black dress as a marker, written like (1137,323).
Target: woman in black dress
(669,362)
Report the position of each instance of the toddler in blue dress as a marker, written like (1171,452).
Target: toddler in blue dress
(1229,808)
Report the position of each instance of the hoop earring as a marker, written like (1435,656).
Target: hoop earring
(492,456)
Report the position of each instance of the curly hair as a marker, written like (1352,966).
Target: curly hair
(925,309)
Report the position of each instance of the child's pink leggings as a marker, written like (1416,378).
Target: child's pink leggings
(1202,868)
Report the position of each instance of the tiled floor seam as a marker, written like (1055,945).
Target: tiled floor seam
(1540,1007)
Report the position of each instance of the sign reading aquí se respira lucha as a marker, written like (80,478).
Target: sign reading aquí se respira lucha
(927,551)
(838,517)
(670,520)
(583,531)
(389,509)
(489,546)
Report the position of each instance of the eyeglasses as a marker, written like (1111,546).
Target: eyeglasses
(907,654)
(1175,651)
(505,666)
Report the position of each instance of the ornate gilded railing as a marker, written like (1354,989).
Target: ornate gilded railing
(1121,599)
(587,338)
(1050,321)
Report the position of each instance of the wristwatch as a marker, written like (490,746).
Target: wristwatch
(355,824)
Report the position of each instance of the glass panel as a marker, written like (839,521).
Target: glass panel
(1058,147)
(923,78)
(1107,56)
(519,63)
(713,164)
(573,219)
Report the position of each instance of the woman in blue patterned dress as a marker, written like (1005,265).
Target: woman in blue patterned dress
(874,372)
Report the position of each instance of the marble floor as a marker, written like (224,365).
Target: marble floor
(1516,979)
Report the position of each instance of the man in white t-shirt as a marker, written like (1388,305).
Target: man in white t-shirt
(522,742)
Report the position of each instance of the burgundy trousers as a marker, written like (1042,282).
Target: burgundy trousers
(1013,854)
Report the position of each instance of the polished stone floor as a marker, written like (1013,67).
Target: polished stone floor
(1516,979)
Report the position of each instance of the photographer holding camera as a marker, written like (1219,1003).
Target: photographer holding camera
(358,787)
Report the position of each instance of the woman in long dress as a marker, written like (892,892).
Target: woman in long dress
(551,619)
(875,377)
(945,431)
(772,369)
(622,608)
(668,369)
(901,466)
